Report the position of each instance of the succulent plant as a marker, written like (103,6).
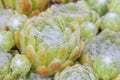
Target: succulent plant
(110,21)
(50,42)
(19,67)
(103,54)
(24,6)
(107,42)
(20,64)
(100,6)
(5,59)
(76,72)
(11,20)
(88,30)
(106,67)
(16,22)
(54,33)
